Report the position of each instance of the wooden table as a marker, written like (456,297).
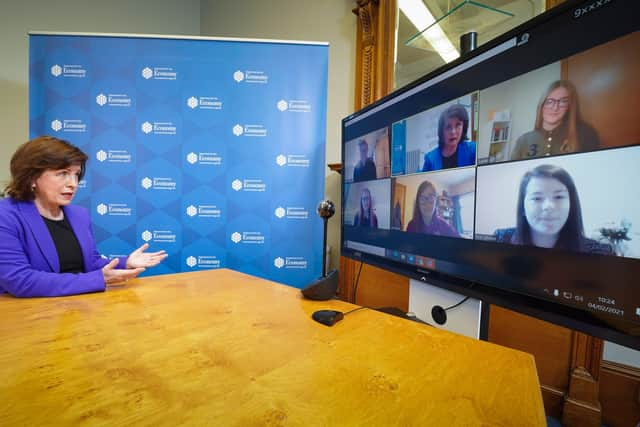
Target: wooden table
(223,348)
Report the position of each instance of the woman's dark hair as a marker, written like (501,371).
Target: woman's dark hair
(572,233)
(417,216)
(369,213)
(34,157)
(456,111)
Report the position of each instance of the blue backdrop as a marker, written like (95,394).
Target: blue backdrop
(213,150)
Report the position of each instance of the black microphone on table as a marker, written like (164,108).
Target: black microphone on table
(326,286)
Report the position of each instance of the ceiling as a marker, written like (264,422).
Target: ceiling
(414,62)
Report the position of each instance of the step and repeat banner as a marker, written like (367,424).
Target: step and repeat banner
(213,150)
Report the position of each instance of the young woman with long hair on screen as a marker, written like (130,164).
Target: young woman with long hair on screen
(549,213)
(425,216)
(366,216)
(559,127)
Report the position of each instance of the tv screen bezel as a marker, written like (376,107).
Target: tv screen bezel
(545,309)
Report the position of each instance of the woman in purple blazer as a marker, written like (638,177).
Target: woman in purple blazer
(46,245)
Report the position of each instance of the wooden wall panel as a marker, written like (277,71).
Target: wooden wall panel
(607,102)
(568,363)
(375,46)
(620,395)
(376,288)
(549,344)
(553,400)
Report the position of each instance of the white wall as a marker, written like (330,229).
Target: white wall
(329,21)
(17,18)
(619,354)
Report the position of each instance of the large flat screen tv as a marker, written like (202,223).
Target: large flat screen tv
(513,173)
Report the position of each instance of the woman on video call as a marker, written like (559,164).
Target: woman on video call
(46,244)
(559,127)
(425,217)
(549,214)
(453,148)
(365,217)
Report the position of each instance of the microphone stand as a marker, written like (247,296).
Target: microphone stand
(325,287)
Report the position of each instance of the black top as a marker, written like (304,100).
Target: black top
(67,245)
(451,161)
(365,172)
(508,235)
(371,221)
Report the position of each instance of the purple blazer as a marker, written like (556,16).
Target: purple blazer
(29,264)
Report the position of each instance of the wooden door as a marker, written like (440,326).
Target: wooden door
(398,206)
(606,78)
(383,161)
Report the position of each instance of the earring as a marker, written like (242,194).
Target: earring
(33,188)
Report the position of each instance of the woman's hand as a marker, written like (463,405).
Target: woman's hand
(112,275)
(139,258)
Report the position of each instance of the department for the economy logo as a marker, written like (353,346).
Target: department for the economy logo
(238,76)
(203,261)
(291,212)
(159,236)
(202,158)
(69,125)
(68,70)
(159,73)
(56,70)
(251,76)
(114,156)
(236,184)
(121,100)
(247,237)
(251,185)
(294,105)
(114,209)
(158,183)
(158,128)
(204,211)
(249,130)
(293,160)
(291,262)
(204,103)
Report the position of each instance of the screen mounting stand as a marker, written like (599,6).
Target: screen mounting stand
(465,319)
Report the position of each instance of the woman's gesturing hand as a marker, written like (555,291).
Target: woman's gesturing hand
(139,258)
(113,275)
